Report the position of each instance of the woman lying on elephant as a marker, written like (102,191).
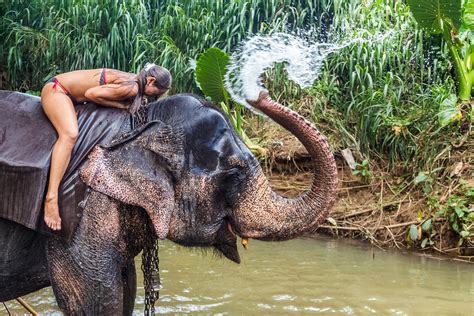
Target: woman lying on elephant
(106,87)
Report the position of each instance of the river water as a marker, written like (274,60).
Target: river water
(303,276)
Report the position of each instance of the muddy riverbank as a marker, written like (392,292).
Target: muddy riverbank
(386,206)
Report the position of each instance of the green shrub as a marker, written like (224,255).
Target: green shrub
(458,210)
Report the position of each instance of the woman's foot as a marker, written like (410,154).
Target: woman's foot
(51,214)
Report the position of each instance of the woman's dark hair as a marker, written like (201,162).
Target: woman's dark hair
(163,82)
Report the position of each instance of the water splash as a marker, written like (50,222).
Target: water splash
(302,58)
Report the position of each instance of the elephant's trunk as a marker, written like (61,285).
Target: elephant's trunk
(263,214)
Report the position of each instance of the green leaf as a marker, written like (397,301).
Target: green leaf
(470,192)
(434,14)
(468,15)
(421,177)
(211,67)
(449,111)
(413,232)
(426,225)
(455,227)
(459,211)
(423,243)
(464,234)
(428,187)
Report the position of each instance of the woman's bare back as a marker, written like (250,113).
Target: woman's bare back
(79,81)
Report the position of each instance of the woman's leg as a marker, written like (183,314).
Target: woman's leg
(60,111)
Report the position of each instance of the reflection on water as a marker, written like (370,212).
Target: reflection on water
(302,276)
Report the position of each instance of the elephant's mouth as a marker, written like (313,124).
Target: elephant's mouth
(245,240)
(226,242)
(229,227)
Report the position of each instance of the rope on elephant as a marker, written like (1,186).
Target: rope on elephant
(26,306)
(6,308)
(140,118)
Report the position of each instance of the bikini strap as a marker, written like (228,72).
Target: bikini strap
(57,83)
(103,78)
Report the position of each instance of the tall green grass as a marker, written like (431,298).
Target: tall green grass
(44,37)
(380,97)
(383,95)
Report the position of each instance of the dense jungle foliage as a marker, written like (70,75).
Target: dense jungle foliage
(388,92)
(385,100)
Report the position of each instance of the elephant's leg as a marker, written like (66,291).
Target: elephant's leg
(86,274)
(129,278)
(83,287)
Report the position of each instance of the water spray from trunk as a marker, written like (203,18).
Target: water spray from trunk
(302,56)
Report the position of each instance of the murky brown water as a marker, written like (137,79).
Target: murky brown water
(302,276)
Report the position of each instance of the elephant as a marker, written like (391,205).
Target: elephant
(185,176)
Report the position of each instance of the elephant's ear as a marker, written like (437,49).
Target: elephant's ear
(137,173)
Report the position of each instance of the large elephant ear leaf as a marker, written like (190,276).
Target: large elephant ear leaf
(468,15)
(434,14)
(211,67)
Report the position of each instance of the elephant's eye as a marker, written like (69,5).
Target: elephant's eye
(233,186)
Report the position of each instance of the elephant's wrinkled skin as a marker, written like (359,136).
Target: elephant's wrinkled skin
(187,177)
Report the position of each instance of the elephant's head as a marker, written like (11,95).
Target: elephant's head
(200,184)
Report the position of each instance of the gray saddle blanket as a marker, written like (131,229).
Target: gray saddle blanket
(26,141)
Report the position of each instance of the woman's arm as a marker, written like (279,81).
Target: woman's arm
(112,95)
